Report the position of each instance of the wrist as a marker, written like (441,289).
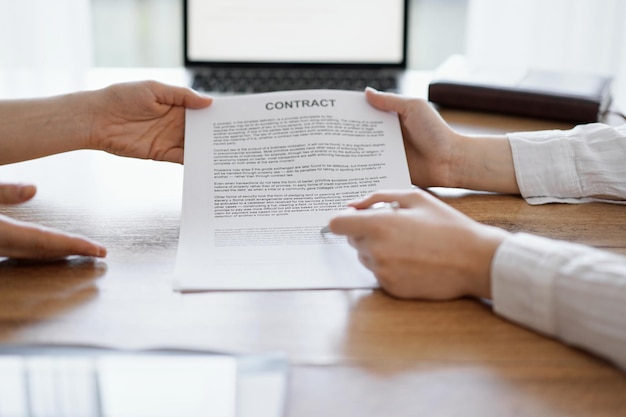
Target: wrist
(488,239)
(458,162)
(73,121)
(87,136)
(485,163)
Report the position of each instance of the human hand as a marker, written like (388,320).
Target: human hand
(431,145)
(439,156)
(30,241)
(142,119)
(425,249)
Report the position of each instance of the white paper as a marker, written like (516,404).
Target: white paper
(264,173)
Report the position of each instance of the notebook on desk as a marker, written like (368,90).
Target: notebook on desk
(528,92)
(248,46)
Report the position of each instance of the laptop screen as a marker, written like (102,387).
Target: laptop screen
(274,32)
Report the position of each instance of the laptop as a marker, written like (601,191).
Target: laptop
(250,46)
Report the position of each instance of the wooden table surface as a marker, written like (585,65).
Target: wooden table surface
(353,353)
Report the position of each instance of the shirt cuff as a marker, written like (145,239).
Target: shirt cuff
(536,157)
(523,275)
(579,165)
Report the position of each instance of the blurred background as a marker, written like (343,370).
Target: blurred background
(147,32)
(60,39)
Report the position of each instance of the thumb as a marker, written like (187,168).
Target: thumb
(386,101)
(179,96)
(16,193)
(193,100)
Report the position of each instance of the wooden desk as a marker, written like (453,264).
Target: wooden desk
(354,353)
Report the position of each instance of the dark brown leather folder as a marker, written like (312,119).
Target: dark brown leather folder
(570,97)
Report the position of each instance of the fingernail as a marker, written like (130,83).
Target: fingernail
(99,251)
(25,191)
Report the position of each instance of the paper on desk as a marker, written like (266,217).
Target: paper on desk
(264,173)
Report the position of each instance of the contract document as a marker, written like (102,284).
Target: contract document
(264,173)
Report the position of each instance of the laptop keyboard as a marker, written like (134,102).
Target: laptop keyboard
(254,80)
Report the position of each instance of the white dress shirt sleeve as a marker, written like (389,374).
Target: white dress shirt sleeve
(569,291)
(573,292)
(587,163)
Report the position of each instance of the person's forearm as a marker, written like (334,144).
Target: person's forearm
(569,291)
(33,128)
(485,163)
